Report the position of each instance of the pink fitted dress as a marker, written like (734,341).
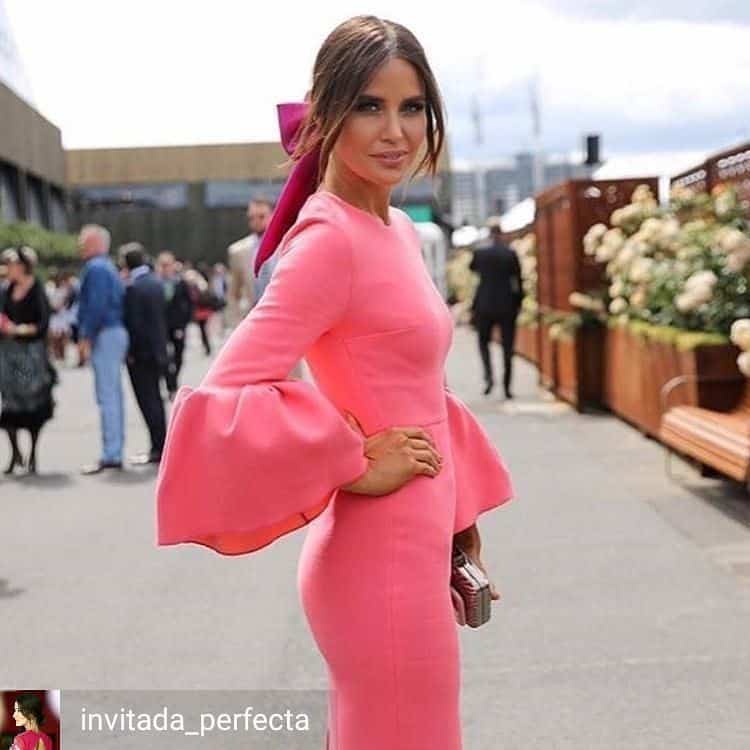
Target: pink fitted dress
(252,455)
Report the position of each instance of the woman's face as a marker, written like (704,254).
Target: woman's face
(388,117)
(16,271)
(19,718)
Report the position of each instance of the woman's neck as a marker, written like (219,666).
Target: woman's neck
(24,282)
(371,198)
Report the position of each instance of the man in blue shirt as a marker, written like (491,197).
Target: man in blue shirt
(104,339)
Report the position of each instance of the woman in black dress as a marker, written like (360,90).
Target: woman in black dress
(26,373)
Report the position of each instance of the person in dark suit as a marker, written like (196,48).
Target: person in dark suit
(179,314)
(497,302)
(145,317)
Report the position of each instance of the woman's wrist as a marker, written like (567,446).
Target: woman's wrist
(360,483)
(468,539)
(23,329)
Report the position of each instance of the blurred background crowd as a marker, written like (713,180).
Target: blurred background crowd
(582,237)
(130,308)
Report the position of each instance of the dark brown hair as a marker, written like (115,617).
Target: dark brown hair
(30,706)
(345,63)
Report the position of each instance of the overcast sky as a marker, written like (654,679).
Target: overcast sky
(648,76)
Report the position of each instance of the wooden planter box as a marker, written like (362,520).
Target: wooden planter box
(730,167)
(622,374)
(572,368)
(636,368)
(564,213)
(527,343)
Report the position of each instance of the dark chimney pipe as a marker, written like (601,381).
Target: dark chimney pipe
(592,151)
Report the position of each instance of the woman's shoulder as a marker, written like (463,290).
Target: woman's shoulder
(38,288)
(322,208)
(322,226)
(406,229)
(404,220)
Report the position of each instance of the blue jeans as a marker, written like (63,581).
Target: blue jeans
(107,356)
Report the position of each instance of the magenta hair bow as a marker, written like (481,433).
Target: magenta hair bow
(299,185)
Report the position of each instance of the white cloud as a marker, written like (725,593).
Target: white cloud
(736,11)
(115,74)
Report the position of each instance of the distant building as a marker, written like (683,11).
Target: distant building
(32,162)
(192,199)
(482,190)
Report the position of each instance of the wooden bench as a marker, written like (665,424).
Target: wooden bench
(718,439)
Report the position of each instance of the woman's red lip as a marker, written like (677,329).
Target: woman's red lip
(392,154)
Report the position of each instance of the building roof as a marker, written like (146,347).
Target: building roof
(28,140)
(659,164)
(518,216)
(199,163)
(227,161)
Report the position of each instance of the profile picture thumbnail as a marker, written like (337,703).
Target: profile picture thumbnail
(30,720)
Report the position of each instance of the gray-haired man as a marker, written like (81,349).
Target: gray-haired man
(104,339)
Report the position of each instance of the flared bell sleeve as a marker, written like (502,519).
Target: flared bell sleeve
(251,455)
(482,479)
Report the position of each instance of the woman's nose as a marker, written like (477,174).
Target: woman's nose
(393,128)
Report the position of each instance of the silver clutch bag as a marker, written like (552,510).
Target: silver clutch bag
(472,586)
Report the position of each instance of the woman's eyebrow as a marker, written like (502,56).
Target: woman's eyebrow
(380,100)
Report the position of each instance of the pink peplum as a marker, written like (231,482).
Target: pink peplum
(252,455)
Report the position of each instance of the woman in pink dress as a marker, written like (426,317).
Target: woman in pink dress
(28,713)
(381,461)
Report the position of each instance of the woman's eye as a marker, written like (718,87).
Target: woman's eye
(364,107)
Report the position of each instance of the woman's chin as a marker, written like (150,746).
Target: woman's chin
(389,180)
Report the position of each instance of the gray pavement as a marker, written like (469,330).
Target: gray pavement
(625,609)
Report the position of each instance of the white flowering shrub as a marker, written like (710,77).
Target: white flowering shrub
(525,248)
(462,283)
(740,336)
(685,266)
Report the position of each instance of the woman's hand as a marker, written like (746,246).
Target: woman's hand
(84,350)
(395,455)
(470,542)
(17,330)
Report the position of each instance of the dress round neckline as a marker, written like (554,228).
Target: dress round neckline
(346,203)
